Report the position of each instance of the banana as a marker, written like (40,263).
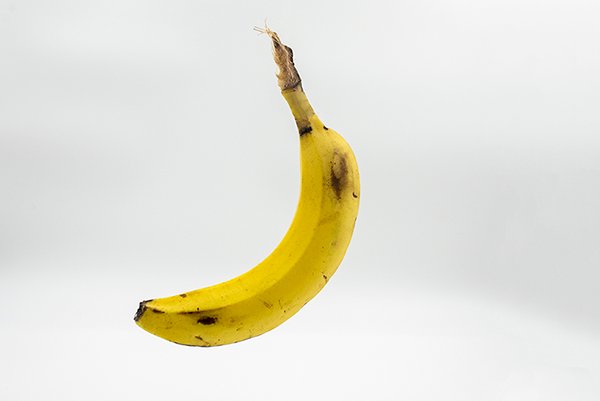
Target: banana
(309,254)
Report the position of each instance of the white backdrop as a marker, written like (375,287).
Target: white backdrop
(145,150)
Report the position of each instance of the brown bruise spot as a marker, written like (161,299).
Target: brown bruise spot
(339,174)
(327,219)
(267,305)
(325,128)
(183,295)
(305,129)
(354,195)
(207,320)
(325,277)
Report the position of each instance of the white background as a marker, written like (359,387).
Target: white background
(145,150)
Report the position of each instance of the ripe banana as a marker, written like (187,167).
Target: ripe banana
(312,249)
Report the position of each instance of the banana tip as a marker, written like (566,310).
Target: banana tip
(141,310)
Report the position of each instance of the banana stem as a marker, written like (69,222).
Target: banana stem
(301,108)
(290,83)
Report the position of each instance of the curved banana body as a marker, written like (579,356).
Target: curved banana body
(299,267)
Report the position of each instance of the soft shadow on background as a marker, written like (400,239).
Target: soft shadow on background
(145,150)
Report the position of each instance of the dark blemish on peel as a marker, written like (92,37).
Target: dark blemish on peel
(267,305)
(199,338)
(189,345)
(305,130)
(183,295)
(325,277)
(354,195)
(157,311)
(339,174)
(325,128)
(207,320)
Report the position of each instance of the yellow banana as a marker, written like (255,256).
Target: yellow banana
(311,251)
